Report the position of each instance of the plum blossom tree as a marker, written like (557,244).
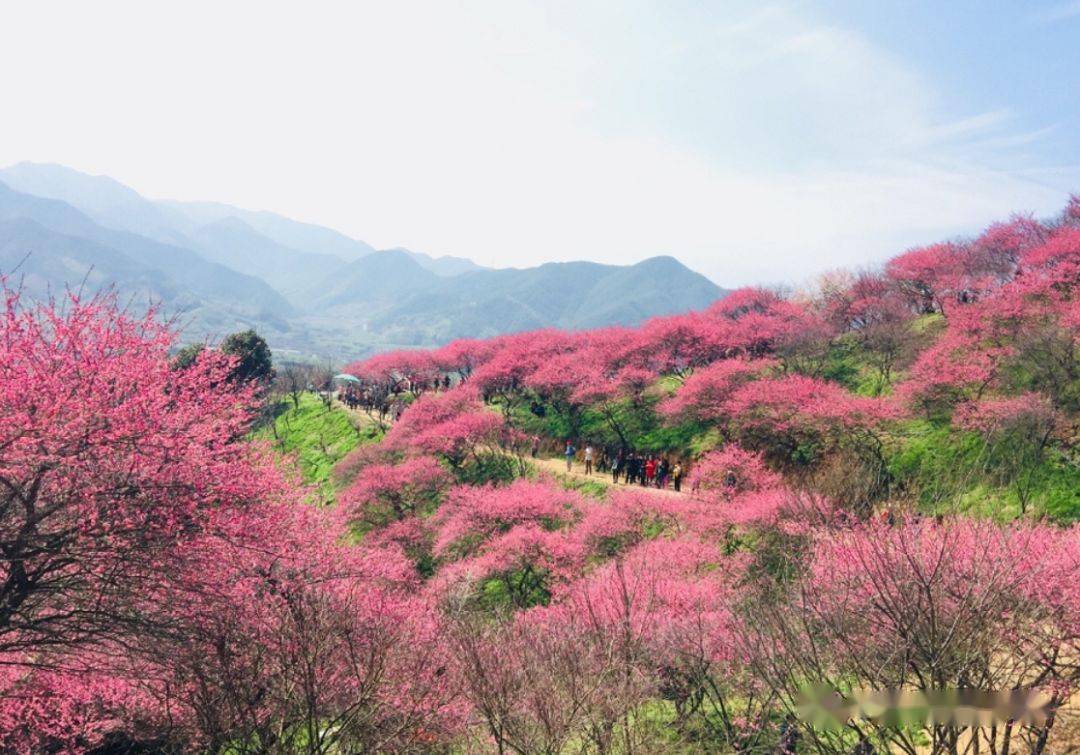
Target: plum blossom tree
(405,371)
(520,568)
(755,321)
(472,514)
(784,417)
(299,642)
(704,395)
(581,668)
(1016,339)
(679,344)
(923,606)
(503,376)
(386,493)
(629,517)
(463,356)
(1018,431)
(529,680)
(618,395)
(732,471)
(871,308)
(748,494)
(52,710)
(109,461)
(456,426)
(930,278)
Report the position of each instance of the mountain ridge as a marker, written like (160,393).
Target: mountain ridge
(307,287)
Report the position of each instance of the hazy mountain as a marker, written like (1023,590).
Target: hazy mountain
(285,253)
(306,237)
(232,242)
(306,287)
(106,201)
(381,278)
(42,261)
(559,294)
(655,286)
(446,265)
(61,246)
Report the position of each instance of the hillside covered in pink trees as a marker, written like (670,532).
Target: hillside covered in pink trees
(879,491)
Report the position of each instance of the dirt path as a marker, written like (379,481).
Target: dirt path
(557,467)
(362,417)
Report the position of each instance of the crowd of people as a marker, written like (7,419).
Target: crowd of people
(627,467)
(373,401)
(388,399)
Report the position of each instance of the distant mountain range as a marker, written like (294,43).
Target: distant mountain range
(307,288)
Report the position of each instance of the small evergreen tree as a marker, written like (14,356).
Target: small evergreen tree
(254,360)
(187,356)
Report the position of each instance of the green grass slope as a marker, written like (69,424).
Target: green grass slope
(316,438)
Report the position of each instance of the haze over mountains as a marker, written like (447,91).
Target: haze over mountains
(307,288)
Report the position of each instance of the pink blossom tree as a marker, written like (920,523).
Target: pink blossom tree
(457,427)
(385,493)
(110,462)
(922,606)
(1018,431)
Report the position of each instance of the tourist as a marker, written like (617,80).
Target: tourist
(662,472)
(676,476)
(570,451)
(588,459)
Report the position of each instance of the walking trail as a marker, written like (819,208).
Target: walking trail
(557,467)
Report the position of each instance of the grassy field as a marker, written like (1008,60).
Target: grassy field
(316,437)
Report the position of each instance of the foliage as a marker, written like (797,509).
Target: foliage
(252,355)
(317,437)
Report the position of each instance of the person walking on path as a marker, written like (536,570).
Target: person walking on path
(535,446)
(588,459)
(616,467)
(662,472)
(650,472)
(676,476)
(570,451)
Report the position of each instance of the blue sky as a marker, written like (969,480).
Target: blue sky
(1018,58)
(759,142)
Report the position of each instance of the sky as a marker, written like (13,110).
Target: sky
(757,142)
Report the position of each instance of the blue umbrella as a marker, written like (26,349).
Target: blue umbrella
(347,378)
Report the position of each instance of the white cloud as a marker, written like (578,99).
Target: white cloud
(753,143)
